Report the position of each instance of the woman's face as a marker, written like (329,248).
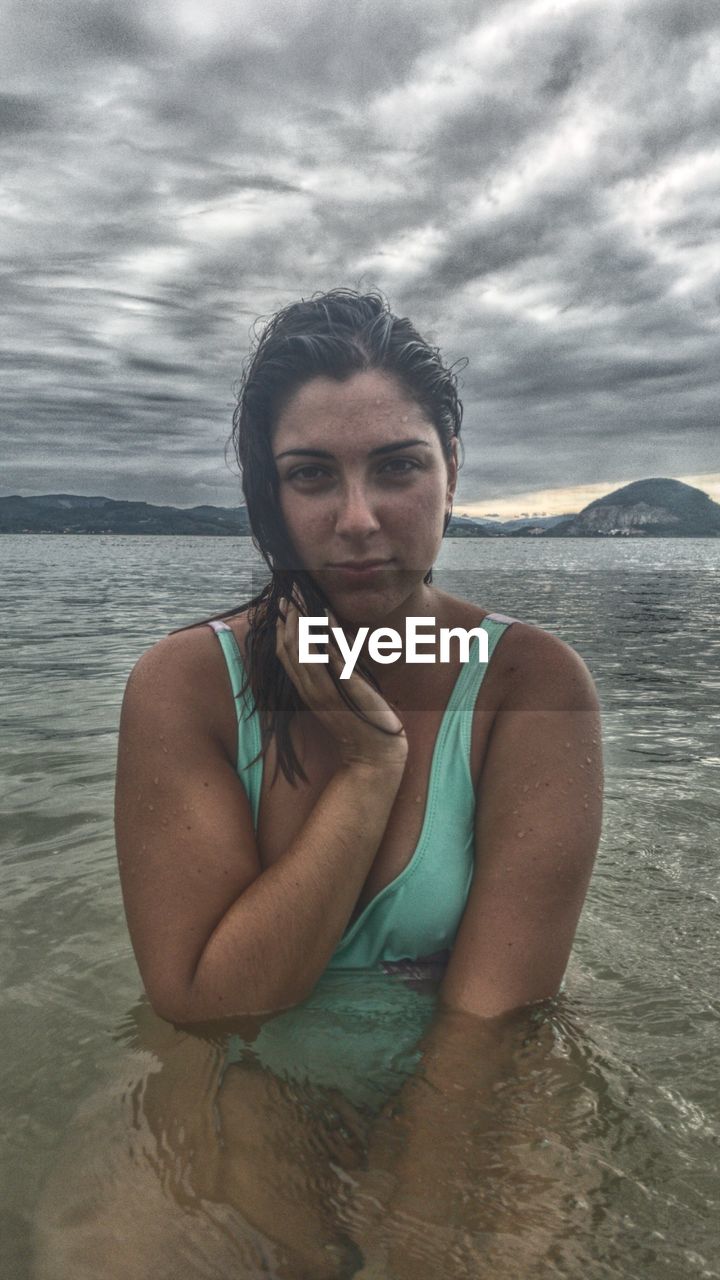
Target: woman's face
(362,478)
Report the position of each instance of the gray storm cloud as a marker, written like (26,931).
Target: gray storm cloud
(535,184)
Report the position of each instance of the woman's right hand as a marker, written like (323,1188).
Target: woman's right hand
(358,742)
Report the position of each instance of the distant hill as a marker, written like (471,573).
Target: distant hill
(71,513)
(658,508)
(501,528)
(466,527)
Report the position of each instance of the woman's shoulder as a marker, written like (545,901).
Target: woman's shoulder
(188,664)
(184,645)
(528,660)
(188,642)
(456,612)
(543,671)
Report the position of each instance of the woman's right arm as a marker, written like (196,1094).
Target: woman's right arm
(215,935)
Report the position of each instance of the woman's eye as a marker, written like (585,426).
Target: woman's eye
(394,466)
(400,466)
(306,473)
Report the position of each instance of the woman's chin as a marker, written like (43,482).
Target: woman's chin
(372,600)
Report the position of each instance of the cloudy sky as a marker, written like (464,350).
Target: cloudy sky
(535,183)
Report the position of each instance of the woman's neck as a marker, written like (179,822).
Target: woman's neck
(427,603)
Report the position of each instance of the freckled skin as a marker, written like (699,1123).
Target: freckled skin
(356,506)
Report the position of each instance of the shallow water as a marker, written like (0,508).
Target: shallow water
(619,1080)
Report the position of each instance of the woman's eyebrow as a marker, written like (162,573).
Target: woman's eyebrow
(325,453)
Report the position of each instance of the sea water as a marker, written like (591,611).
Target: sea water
(631,1068)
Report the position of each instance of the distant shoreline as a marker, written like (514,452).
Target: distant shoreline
(654,508)
(216,533)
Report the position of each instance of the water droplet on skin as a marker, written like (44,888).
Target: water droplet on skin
(156,780)
(520,834)
(418,799)
(405,418)
(151,806)
(567,744)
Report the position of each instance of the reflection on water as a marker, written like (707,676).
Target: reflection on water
(566,1162)
(593,1153)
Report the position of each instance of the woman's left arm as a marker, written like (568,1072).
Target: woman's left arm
(538,823)
(537,830)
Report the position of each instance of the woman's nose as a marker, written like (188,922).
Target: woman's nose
(355,512)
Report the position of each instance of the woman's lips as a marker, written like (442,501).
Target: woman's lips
(363,571)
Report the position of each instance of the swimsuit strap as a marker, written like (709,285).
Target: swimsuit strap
(249,736)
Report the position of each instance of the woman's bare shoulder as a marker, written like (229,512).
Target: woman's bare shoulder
(542,669)
(184,646)
(527,658)
(189,666)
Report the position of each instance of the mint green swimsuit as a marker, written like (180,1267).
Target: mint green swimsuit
(354,1030)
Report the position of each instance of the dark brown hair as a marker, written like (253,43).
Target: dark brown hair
(335,334)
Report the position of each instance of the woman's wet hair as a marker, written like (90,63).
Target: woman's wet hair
(334,335)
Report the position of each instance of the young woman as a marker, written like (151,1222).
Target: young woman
(279,827)
(275,821)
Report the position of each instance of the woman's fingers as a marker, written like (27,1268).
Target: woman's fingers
(315,684)
(316,674)
(305,677)
(312,680)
